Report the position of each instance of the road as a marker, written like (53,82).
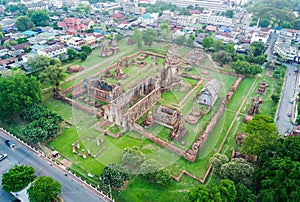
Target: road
(269,50)
(284,122)
(71,190)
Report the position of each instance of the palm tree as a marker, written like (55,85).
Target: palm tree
(53,75)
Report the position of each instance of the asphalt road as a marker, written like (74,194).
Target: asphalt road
(71,190)
(283,122)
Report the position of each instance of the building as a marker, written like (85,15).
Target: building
(260,35)
(76,42)
(284,49)
(209,93)
(53,50)
(214,5)
(74,25)
(148,18)
(35,4)
(56,3)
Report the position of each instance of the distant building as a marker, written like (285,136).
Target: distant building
(148,18)
(52,51)
(214,5)
(209,93)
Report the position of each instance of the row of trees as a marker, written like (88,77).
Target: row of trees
(275,176)
(248,64)
(277,13)
(135,163)
(85,50)
(42,188)
(43,125)
(33,18)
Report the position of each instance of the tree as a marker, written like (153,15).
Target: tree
(39,18)
(261,132)
(244,194)
(207,42)
(199,193)
(137,36)
(17,178)
(53,75)
(149,168)
(245,68)
(163,177)
(190,42)
(180,40)
(165,31)
(280,180)
(132,156)
(149,36)
(256,48)
(82,56)
(229,13)
(87,49)
(17,92)
(296,24)
(114,175)
(222,57)
(227,190)
(264,23)
(72,55)
(217,161)
(41,129)
(37,111)
(239,171)
(44,189)
(229,48)
(23,23)
(218,45)
(40,62)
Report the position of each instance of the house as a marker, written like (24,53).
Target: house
(117,16)
(209,93)
(148,18)
(53,50)
(211,28)
(18,49)
(75,42)
(73,25)
(284,49)
(3,51)
(29,33)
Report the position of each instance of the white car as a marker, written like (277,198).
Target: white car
(2,156)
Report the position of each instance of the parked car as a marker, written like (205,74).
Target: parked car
(289,114)
(2,156)
(291,101)
(10,143)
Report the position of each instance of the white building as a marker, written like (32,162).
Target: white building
(284,49)
(148,18)
(56,3)
(214,5)
(261,35)
(52,51)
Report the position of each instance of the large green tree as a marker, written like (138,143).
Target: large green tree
(39,18)
(149,35)
(262,132)
(114,175)
(180,40)
(137,37)
(44,189)
(53,75)
(222,57)
(132,156)
(165,31)
(23,23)
(17,92)
(207,42)
(217,161)
(224,192)
(239,171)
(243,67)
(17,178)
(40,62)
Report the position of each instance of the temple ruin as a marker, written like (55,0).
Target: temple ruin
(169,74)
(106,50)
